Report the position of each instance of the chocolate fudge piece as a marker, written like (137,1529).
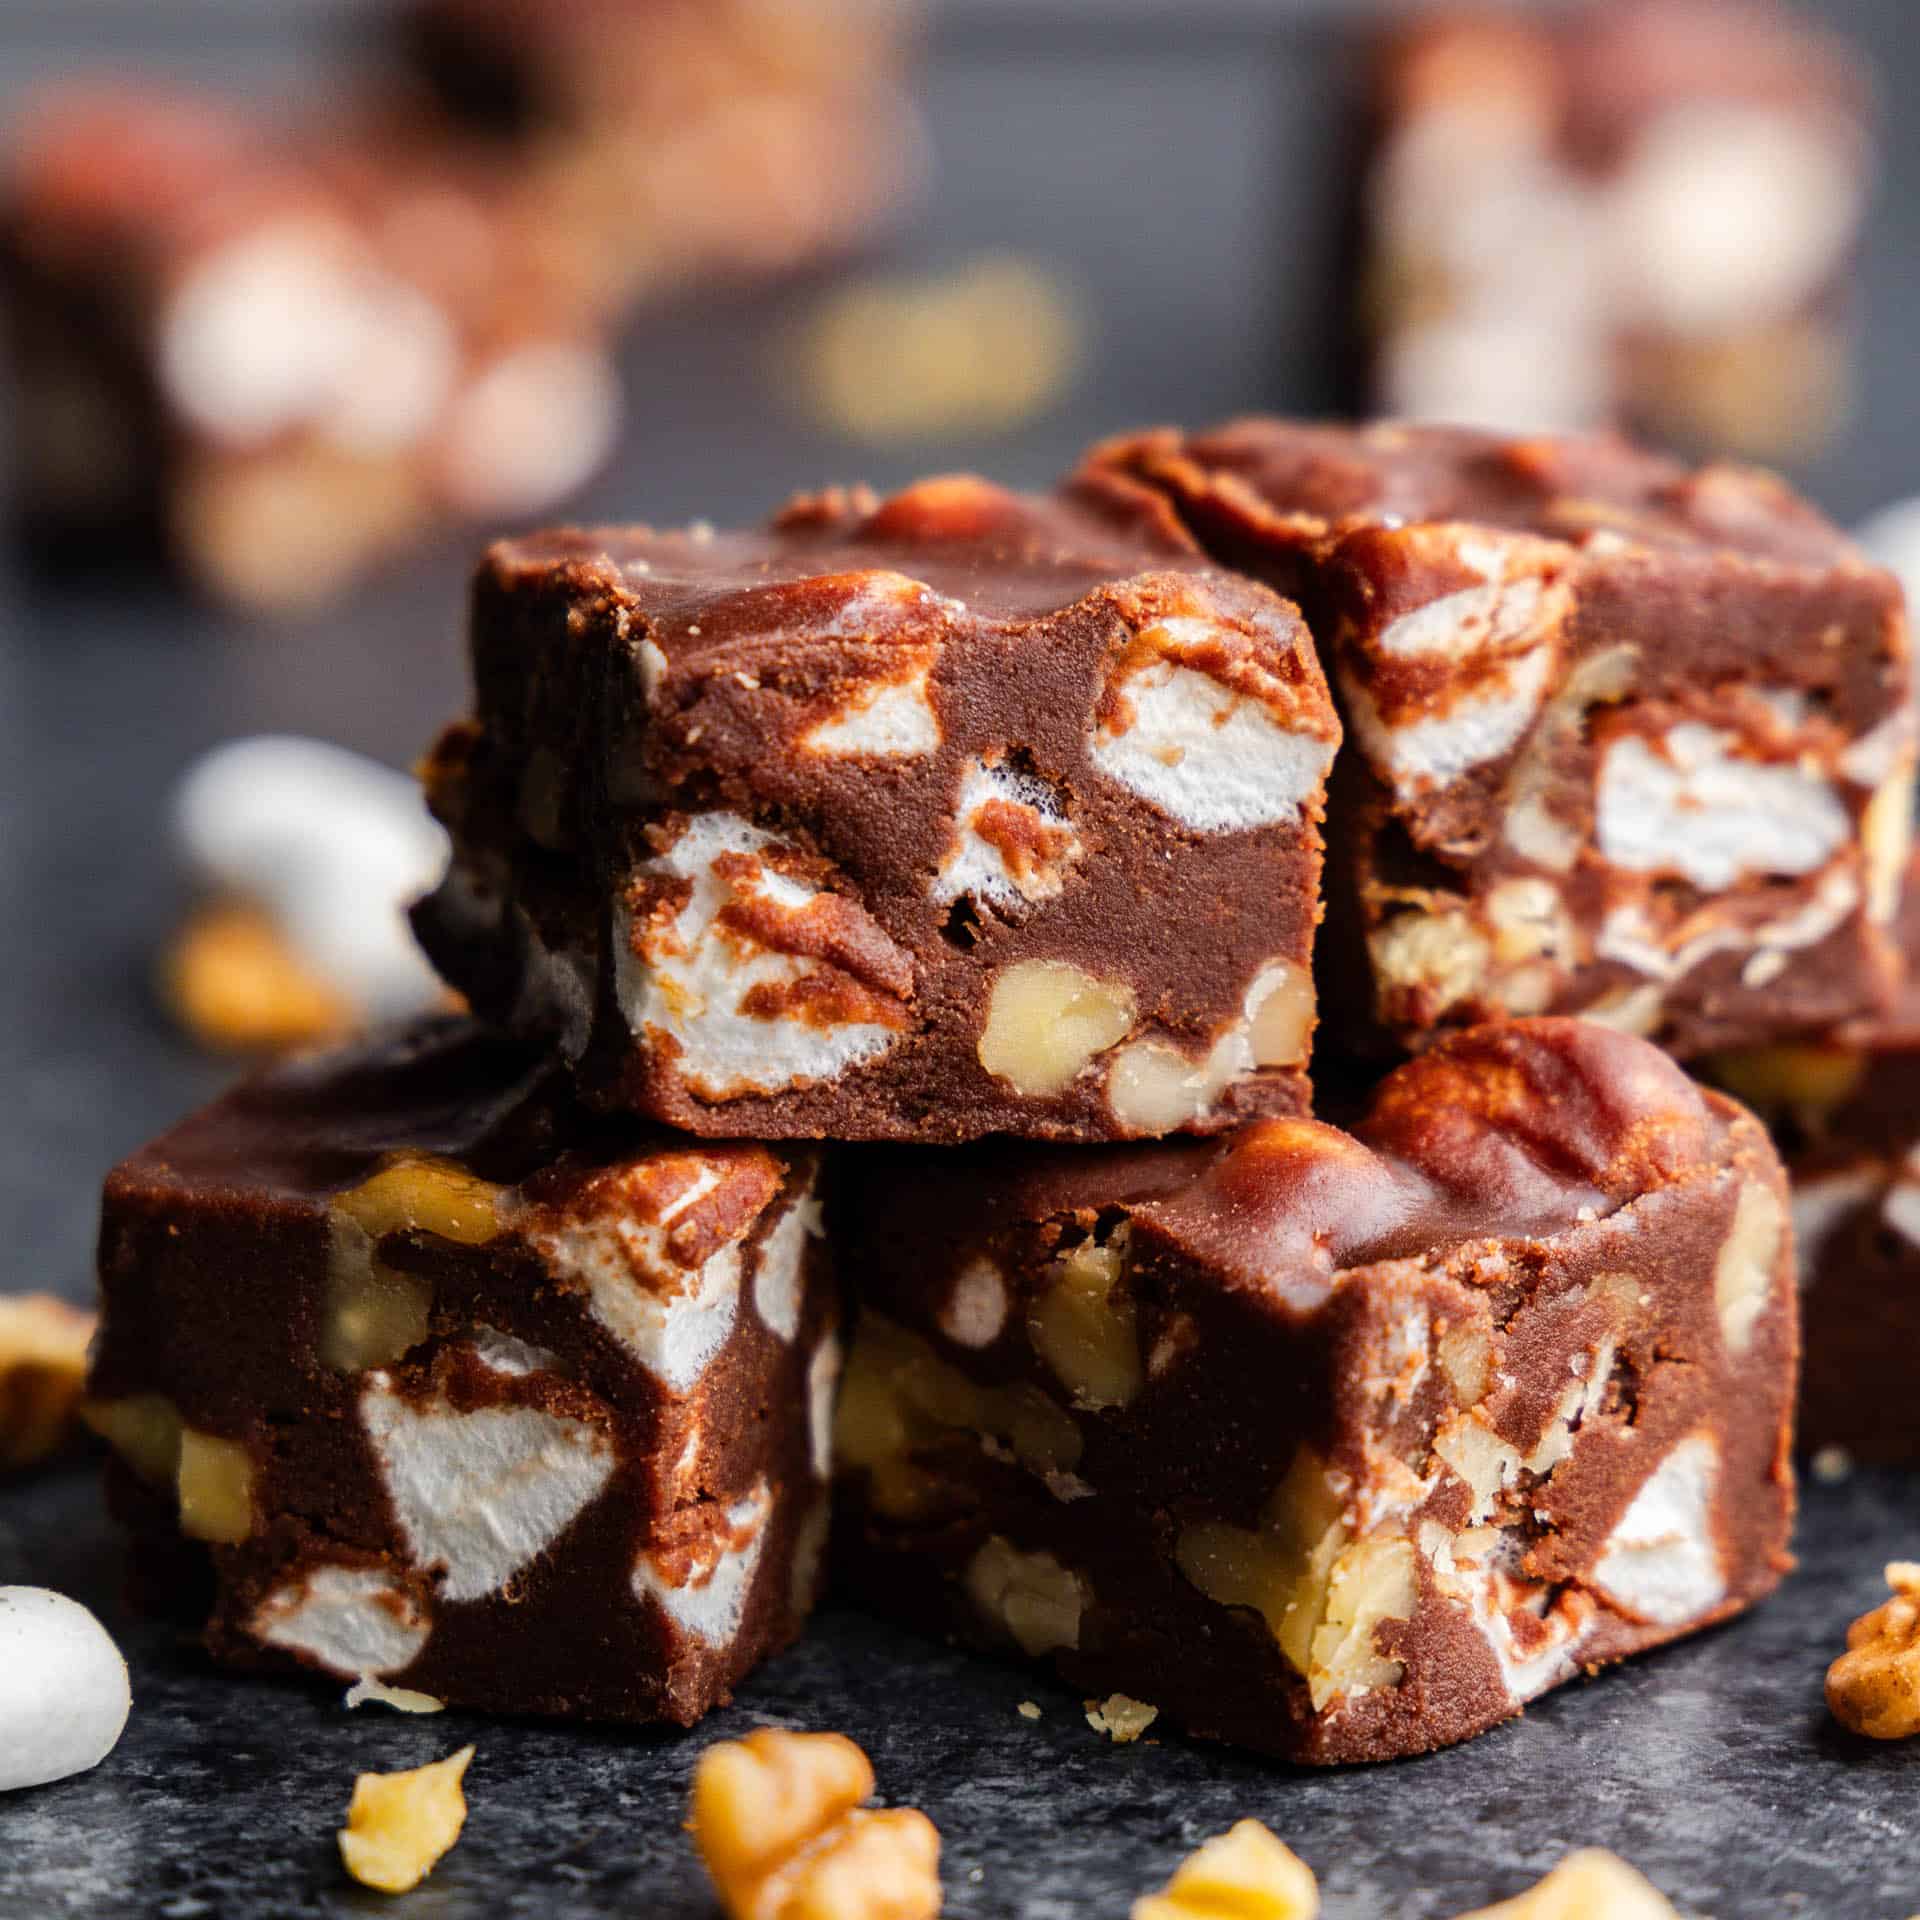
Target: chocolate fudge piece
(1338,1445)
(1626,739)
(681,136)
(1845,1112)
(1642,212)
(957,813)
(464,1391)
(277,353)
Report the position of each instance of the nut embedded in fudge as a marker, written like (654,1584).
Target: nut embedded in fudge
(1674,192)
(1844,1116)
(467,1392)
(922,819)
(1626,739)
(1340,1446)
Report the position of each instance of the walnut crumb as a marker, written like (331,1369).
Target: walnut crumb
(1245,1872)
(1120,1717)
(778,1821)
(1028,1710)
(234,982)
(1594,1884)
(1874,1687)
(399,1824)
(43,1365)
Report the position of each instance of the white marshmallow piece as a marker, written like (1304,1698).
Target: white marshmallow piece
(779,1268)
(1727,216)
(694,978)
(531,429)
(1661,1562)
(1211,757)
(354,1621)
(331,846)
(710,1601)
(1694,806)
(64,1693)
(263,334)
(481,1495)
(977,866)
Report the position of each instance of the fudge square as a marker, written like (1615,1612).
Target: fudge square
(1844,1115)
(956,813)
(1631,740)
(1641,212)
(458,1390)
(1338,1445)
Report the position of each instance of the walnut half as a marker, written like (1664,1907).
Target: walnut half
(778,1821)
(43,1364)
(1874,1687)
(1244,1872)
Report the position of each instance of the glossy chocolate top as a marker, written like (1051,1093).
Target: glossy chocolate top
(315,1125)
(846,556)
(1515,1131)
(1582,490)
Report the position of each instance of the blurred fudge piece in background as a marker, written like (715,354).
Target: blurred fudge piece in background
(277,348)
(273,379)
(1642,212)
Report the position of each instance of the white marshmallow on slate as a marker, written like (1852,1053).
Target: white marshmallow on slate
(331,846)
(64,1696)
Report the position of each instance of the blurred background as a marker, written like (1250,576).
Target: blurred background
(305,296)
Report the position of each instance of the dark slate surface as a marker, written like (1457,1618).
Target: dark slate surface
(1714,1766)
(1175,172)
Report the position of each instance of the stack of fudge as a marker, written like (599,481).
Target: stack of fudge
(894,939)
(273,348)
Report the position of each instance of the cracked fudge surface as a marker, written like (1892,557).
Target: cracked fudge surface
(462,1391)
(955,813)
(1626,739)
(1844,1114)
(1337,1445)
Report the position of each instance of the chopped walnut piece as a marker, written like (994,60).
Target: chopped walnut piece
(1589,1885)
(399,1824)
(1244,1872)
(43,1364)
(778,1821)
(1120,1717)
(234,982)
(1874,1687)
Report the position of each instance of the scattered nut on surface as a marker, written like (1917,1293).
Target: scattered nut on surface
(1874,1687)
(235,984)
(43,1365)
(1028,1710)
(399,1824)
(778,1821)
(977,351)
(1244,1873)
(1121,1717)
(1589,1885)
(64,1696)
